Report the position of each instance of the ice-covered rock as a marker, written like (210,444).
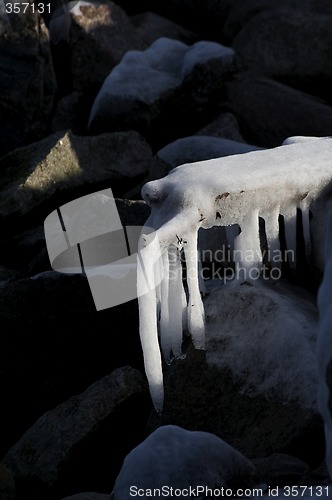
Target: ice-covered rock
(238,189)
(201,147)
(173,457)
(164,80)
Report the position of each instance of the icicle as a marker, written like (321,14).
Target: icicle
(165,338)
(247,250)
(290,216)
(228,191)
(147,280)
(196,323)
(272,237)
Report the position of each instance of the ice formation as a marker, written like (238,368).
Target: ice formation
(324,347)
(237,189)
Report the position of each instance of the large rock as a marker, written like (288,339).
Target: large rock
(173,457)
(242,11)
(203,17)
(76,435)
(169,83)
(62,162)
(268,112)
(274,43)
(100,34)
(280,469)
(224,126)
(151,26)
(27,82)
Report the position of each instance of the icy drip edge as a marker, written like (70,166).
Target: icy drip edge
(147,282)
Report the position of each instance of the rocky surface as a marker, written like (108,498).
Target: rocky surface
(27,82)
(75,435)
(88,496)
(110,95)
(49,169)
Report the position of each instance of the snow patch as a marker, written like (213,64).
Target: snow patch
(145,75)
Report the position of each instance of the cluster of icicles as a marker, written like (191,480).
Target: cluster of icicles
(225,191)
